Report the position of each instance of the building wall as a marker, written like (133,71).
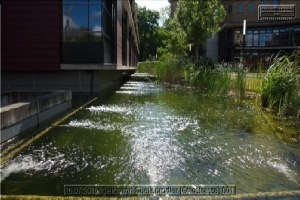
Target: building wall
(30,35)
(118,32)
(92,81)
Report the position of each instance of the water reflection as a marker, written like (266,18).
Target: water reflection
(146,134)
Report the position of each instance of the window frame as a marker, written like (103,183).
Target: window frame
(101,35)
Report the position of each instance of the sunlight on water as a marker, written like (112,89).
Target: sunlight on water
(138,88)
(146,134)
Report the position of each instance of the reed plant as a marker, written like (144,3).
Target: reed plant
(240,80)
(170,69)
(210,77)
(279,88)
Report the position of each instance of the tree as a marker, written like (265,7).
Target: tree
(173,38)
(147,23)
(199,19)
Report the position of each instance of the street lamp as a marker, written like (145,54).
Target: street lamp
(244,42)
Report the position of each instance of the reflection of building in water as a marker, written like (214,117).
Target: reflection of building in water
(81,45)
(263,38)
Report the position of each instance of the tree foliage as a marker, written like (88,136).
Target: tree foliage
(174,38)
(149,39)
(200,19)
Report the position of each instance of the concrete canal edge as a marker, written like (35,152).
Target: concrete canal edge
(22,110)
(291,195)
(16,148)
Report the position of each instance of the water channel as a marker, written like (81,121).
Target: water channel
(145,133)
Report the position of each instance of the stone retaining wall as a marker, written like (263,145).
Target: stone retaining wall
(28,109)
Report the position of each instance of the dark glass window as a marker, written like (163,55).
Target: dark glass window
(240,8)
(275,37)
(86,20)
(75,22)
(262,38)
(268,37)
(255,38)
(284,37)
(275,2)
(230,9)
(87,30)
(238,37)
(95,14)
(296,41)
(251,6)
(249,38)
(262,2)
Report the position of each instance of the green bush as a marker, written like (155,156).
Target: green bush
(279,88)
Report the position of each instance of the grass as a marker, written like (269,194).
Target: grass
(240,81)
(170,70)
(214,80)
(279,88)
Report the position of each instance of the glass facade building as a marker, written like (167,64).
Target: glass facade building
(269,37)
(87,31)
(263,38)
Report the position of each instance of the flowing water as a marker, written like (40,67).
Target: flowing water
(145,133)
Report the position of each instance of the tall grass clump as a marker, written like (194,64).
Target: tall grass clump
(240,80)
(170,69)
(210,77)
(279,88)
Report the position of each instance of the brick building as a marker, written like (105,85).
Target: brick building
(78,45)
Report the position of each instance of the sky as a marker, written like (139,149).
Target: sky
(153,4)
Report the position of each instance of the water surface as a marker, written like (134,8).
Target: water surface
(145,133)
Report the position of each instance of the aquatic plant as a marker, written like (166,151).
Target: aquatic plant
(212,78)
(170,69)
(279,88)
(240,80)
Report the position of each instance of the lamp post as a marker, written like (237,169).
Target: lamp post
(244,42)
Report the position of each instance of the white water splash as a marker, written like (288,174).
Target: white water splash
(109,108)
(28,162)
(93,125)
(283,168)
